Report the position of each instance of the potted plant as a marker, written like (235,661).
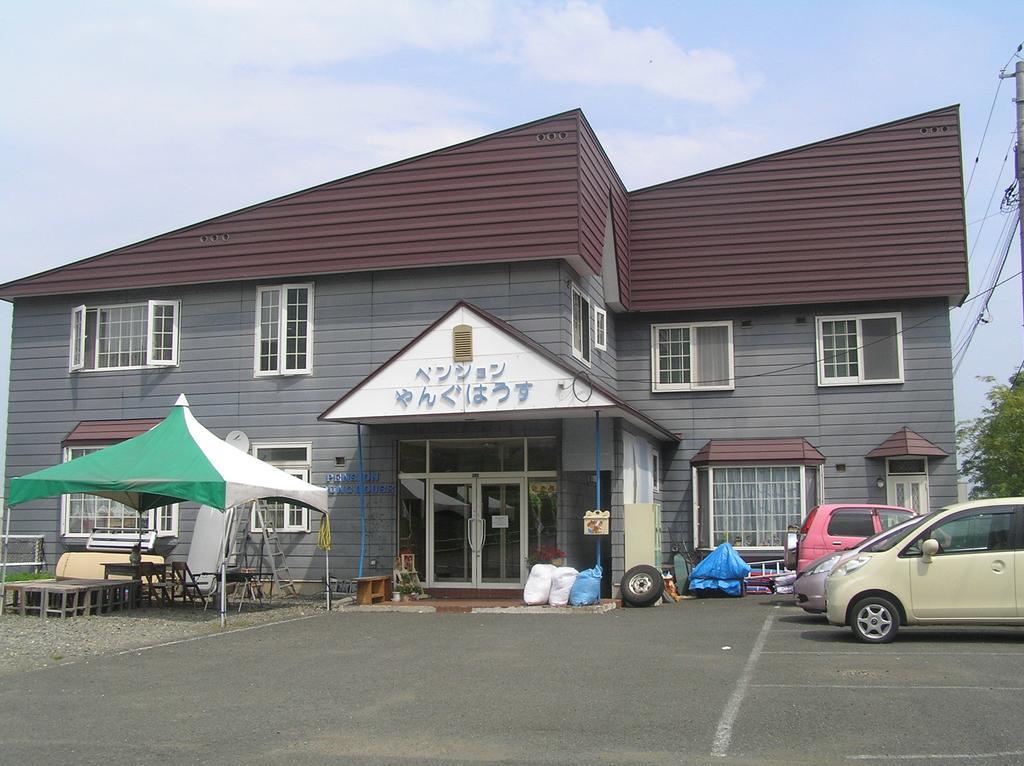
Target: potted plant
(547,554)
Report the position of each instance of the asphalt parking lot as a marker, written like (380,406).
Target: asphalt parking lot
(707,681)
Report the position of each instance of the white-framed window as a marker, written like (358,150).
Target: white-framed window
(284,330)
(581,325)
(691,357)
(752,506)
(124,337)
(82,513)
(292,458)
(655,471)
(600,329)
(862,349)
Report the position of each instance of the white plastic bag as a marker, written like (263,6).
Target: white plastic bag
(538,585)
(561,584)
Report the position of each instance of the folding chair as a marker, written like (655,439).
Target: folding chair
(186,582)
(154,582)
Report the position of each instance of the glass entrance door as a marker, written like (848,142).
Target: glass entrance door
(451,526)
(476,531)
(500,522)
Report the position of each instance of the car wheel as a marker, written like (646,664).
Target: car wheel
(642,586)
(875,620)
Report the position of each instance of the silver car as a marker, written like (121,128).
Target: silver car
(810,584)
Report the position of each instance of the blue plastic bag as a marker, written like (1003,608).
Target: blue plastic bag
(721,570)
(587,588)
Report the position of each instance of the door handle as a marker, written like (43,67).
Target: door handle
(836,543)
(483,534)
(998,566)
(470,536)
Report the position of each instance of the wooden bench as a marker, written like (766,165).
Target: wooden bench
(72,598)
(372,589)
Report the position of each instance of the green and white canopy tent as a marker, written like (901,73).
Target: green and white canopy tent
(178,459)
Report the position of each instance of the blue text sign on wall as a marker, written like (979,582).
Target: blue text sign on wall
(348,484)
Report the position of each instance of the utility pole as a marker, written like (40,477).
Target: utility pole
(1018,154)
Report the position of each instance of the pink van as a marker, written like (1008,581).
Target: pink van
(837,527)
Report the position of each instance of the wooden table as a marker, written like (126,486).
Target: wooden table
(120,569)
(372,589)
(73,598)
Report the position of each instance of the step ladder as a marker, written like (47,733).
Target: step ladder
(238,538)
(276,556)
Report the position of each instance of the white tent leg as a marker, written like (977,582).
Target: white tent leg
(3,558)
(327,576)
(223,593)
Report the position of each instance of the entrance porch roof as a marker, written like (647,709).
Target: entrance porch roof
(506,376)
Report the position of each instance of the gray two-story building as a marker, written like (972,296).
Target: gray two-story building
(473,347)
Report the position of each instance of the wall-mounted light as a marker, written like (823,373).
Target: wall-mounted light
(880,482)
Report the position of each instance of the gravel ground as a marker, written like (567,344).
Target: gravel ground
(28,643)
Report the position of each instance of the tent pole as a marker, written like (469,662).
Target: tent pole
(597,473)
(362,498)
(3,557)
(223,592)
(327,573)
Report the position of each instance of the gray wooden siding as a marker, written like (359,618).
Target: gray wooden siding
(777,395)
(360,321)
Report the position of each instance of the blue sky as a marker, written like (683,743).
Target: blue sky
(124,120)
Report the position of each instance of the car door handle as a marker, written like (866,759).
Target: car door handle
(998,566)
(836,543)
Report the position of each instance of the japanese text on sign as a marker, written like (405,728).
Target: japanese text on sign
(450,385)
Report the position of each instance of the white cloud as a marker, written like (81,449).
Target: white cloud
(578,44)
(311,32)
(644,159)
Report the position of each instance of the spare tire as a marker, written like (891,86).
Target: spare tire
(641,586)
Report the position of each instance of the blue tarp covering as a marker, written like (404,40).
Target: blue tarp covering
(721,570)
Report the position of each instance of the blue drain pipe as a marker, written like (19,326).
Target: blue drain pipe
(362,498)
(597,471)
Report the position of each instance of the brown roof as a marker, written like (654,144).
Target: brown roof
(107,431)
(907,442)
(870,215)
(784,450)
(508,196)
(600,186)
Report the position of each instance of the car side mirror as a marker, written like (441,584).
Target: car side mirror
(929,548)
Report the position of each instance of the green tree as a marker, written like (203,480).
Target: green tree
(992,446)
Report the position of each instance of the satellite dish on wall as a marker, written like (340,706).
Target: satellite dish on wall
(239,440)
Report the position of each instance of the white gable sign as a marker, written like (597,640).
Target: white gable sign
(504,376)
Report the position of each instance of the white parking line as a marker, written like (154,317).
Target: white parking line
(874,652)
(939,756)
(908,687)
(723,734)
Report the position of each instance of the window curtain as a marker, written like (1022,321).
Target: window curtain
(753,505)
(712,355)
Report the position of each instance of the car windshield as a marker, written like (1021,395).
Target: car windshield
(890,537)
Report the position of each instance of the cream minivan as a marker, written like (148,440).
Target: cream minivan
(962,565)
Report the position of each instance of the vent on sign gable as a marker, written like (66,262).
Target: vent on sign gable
(462,343)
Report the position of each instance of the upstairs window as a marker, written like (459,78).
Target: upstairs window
(124,337)
(284,330)
(692,357)
(581,324)
(600,329)
(860,350)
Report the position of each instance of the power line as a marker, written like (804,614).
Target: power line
(988,121)
(1010,231)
